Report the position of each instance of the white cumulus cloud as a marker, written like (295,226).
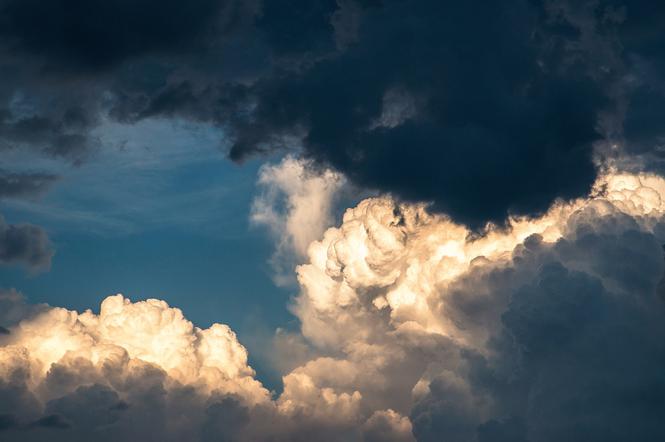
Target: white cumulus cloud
(412,328)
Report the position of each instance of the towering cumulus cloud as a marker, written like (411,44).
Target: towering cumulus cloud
(136,371)
(549,329)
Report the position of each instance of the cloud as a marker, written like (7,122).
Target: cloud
(141,370)
(413,327)
(296,206)
(83,374)
(52,421)
(88,36)
(436,103)
(14,308)
(416,322)
(545,330)
(387,425)
(621,39)
(61,133)
(13,185)
(25,244)
(67,66)
(456,110)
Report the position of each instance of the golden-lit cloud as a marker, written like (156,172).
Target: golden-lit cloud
(126,335)
(412,255)
(416,327)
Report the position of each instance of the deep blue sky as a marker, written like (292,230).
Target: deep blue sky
(159,212)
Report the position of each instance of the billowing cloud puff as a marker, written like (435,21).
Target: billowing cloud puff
(149,331)
(546,329)
(296,206)
(130,362)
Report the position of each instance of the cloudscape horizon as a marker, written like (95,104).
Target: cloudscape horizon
(345,220)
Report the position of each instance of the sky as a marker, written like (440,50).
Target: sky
(368,220)
(159,213)
(155,179)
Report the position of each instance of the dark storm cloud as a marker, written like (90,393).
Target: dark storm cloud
(464,106)
(625,40)
(59,135)
(642,34)
(25,244)
(484,110)
(67,63)
(74,34)
(17,185)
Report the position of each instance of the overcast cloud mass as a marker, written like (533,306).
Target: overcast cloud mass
(498,273)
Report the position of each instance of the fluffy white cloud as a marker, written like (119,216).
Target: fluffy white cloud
(132,362)
(397,260)
(141,371)
(148,332)
(549,328)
